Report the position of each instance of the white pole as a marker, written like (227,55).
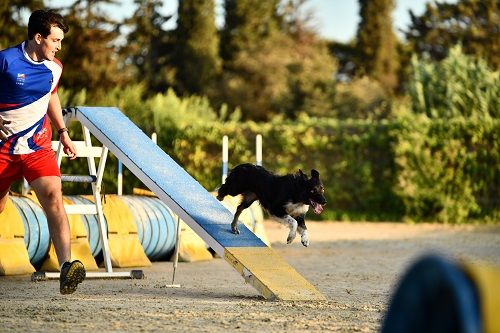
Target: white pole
(154,137)
(225,155)
(120,178)
(258,149)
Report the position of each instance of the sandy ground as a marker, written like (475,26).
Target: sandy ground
(355,265)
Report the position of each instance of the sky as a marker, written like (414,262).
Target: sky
(332,19)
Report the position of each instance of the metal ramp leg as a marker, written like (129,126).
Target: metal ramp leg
(85,149)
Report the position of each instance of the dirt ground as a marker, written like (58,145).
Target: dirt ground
(355,265)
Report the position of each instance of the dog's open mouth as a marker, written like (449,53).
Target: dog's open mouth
(317,208)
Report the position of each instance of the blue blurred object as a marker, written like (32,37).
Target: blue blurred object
(435,295)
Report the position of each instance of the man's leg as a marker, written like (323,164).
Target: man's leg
(49,193)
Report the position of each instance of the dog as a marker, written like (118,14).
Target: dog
(286,198)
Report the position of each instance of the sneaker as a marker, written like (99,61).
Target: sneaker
(72,273)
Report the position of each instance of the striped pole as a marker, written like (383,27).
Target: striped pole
(225,155)
(120,178)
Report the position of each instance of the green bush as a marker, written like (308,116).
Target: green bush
(448,152)
(457,86)
(354,159)
(448,170)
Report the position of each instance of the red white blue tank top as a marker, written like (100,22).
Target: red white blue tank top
(25,90)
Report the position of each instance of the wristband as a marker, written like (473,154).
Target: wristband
(62,130)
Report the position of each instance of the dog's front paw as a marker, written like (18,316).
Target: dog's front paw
(304,239)
(291,237)
(235,230)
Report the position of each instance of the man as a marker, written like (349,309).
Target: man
(29,75)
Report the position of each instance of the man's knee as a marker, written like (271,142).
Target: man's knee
(48,190)
(52,198)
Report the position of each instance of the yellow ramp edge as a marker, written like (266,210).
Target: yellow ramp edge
(273,277)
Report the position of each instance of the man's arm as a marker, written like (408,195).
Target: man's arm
(4,133)
(3,130)
(54,112)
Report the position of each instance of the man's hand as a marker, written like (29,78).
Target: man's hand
(68,146)
(3,130)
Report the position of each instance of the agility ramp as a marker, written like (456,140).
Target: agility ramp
(253,259)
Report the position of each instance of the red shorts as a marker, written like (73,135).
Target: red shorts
(31,166)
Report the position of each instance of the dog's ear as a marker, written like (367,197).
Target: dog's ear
(314,174)
(303,175)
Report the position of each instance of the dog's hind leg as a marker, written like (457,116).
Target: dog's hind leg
(302,229)
(248,199)
(292,225)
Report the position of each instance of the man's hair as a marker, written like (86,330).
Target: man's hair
(42,20)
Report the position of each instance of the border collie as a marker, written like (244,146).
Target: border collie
(286,198)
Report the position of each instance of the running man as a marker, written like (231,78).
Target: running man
(29,104)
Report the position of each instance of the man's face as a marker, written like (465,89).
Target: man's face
(50,45)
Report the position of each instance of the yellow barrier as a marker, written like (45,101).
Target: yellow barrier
(14,258)
(124,245)
(487,280)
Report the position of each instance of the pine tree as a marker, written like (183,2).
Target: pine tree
(247,22)
(150,48)
(12,31)
(472,23)
(281,68)
(377,42)
(89,52)
(197,42)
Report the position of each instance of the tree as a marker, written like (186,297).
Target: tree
(247,22)
(150,48)
(197,58)
(472,23)
(377,42)
(287,72)
(12,31)
(89,51)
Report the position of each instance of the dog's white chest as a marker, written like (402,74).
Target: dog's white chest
(296,209)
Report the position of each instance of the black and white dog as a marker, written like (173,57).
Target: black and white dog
(286,198)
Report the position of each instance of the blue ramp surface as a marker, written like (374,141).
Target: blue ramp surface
(169,181)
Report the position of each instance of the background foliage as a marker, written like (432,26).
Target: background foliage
(400,129)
